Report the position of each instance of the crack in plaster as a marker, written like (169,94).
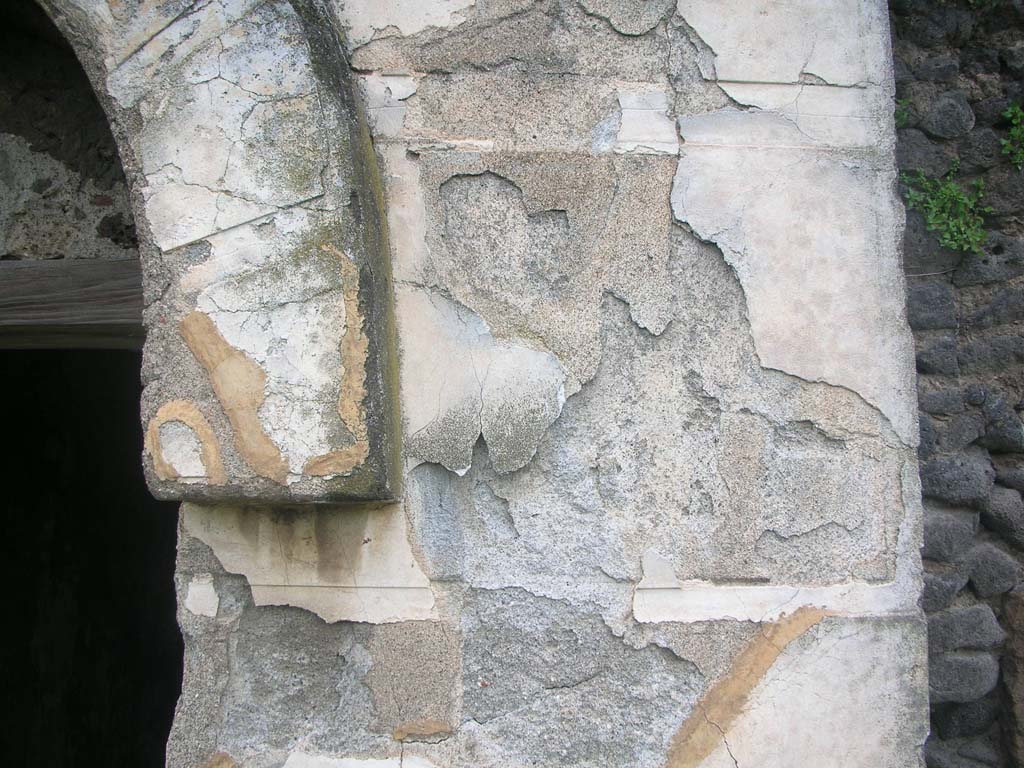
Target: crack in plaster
(698,737)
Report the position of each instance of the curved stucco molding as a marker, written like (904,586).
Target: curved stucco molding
(257,200)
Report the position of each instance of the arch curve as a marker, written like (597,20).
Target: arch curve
(265,268)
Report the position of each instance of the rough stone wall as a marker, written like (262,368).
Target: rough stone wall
(958,69)
(62,192)
(660,488)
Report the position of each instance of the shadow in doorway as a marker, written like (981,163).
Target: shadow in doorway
(91,653)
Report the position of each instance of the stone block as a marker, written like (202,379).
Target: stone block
(940,588)
(991,354)
(930,305)
(929,437)
(917,152)
(980,150)
(1005,514)
(960,431)
(1005,307)
(1002,259)
(970,719)
(938,356)
(1010,472)
(949,116)
(962,480)
(941,402)
(941,754)
(991,570)
(1004,431)
(961,677)
(947,534)
(971,628)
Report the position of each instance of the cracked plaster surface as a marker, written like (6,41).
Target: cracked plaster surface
(233,140)
(604,356)
(763,41)
(242,157)
(838,665)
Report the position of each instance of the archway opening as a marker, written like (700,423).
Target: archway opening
(92,654)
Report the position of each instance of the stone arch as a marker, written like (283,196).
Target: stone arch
(265,268)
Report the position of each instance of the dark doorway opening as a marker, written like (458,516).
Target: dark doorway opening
(92,654)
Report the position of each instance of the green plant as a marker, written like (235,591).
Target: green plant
(902,113)
(1013,145)
(955,213)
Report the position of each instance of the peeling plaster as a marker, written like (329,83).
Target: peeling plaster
(742,198)
(385,97)
(240,384)
(630,18)
(798,115)
(202,598)
(561,249)
(761,41)
(366,19)
(827,686)
(645,124)
(344,564)
(231,144)
(353,380)
(182,449)
(462,383)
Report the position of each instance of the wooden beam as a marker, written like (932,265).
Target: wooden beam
(71,304)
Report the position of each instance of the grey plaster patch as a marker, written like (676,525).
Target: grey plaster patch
(415,680)
(576,230)
(532,37)
(505,391)
(518,258)
(536,670)
(308,690)
(365,18)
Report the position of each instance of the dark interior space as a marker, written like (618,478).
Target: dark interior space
(91,653)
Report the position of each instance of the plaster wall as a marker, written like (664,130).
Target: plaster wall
(659,501)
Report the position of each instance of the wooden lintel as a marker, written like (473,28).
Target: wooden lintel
(71,304)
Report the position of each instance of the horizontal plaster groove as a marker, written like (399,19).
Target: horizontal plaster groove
(349,587)
(853,149)
(700,601)
(797,84)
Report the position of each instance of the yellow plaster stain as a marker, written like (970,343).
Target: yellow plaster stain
(239,383)
(704,730)
(354,346)
(188,414)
